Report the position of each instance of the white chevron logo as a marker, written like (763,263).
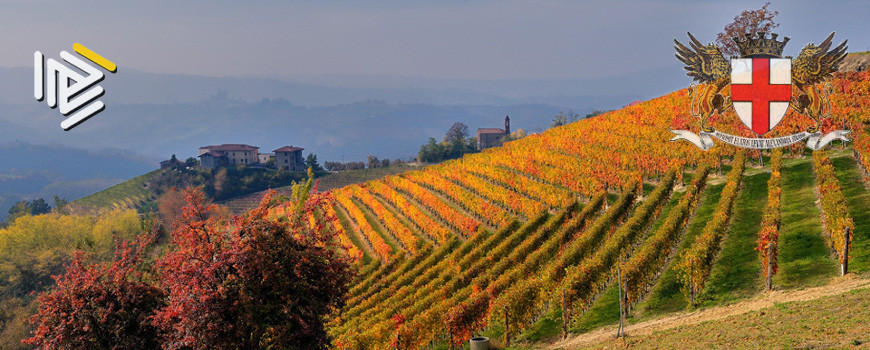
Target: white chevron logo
(75,94)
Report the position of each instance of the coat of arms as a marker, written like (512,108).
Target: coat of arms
(763,86)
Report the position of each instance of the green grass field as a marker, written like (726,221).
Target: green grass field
(858,200)
(804,259)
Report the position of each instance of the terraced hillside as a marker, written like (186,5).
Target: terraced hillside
(532,239)
(325,183)
(128,194)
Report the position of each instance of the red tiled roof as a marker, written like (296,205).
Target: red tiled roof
(231,147)
(215,154)
(288,149)
(490,131)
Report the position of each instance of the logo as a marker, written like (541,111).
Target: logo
(64,88)
(763,87)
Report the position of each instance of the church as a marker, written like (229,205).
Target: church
(491,137)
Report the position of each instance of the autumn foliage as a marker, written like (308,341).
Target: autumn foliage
(768,236)
(253,282)
(100,305)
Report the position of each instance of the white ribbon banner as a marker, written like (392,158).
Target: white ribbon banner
(704,140)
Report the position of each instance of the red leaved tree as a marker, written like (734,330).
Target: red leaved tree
(100,305)
(255,282)
(749,21)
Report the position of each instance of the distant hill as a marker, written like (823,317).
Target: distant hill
(30,171)
(339,118)
(856,62)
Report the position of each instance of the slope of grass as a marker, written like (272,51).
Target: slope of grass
(833,322)
(128,194)
(804,258)
(605,310)
(349,177)
(736,273)
(858,201)
(666,296)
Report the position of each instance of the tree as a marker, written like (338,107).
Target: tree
(100,306)
(262,284)
(457,132)
(169,206)
(34,207)
(749,21)
(39,206)
(17,210)
(594,113)
(516,135)
(385,162)
(372,162)
(559,120)
(59,202)
(311,162)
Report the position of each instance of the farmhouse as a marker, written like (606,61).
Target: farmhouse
(289,158)
(228,154)
(491,137)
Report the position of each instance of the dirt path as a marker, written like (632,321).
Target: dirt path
(838,285)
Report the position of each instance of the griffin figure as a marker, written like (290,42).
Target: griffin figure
(708,66)
(814,65)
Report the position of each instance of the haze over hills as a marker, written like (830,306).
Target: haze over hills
(336,117)
(30,171)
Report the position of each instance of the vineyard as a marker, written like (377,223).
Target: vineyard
(546,228)
(128,194)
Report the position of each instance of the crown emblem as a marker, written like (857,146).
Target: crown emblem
(758,45)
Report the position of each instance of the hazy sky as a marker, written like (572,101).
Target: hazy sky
(450,39)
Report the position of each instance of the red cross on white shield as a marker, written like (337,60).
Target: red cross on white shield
(760,91)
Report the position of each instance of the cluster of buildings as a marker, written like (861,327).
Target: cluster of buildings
(286,158)
(289,158)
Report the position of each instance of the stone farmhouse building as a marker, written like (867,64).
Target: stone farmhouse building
(228,154)
(289,158)
(491,137)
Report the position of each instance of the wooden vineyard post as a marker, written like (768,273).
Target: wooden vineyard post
(692,286)
(769,283)
(564,315)
(720,164)
(507,334)
(844,267)
(620,331)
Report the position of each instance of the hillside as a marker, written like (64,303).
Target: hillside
(325,183)
(128,194)
(517,242)
(856,62)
